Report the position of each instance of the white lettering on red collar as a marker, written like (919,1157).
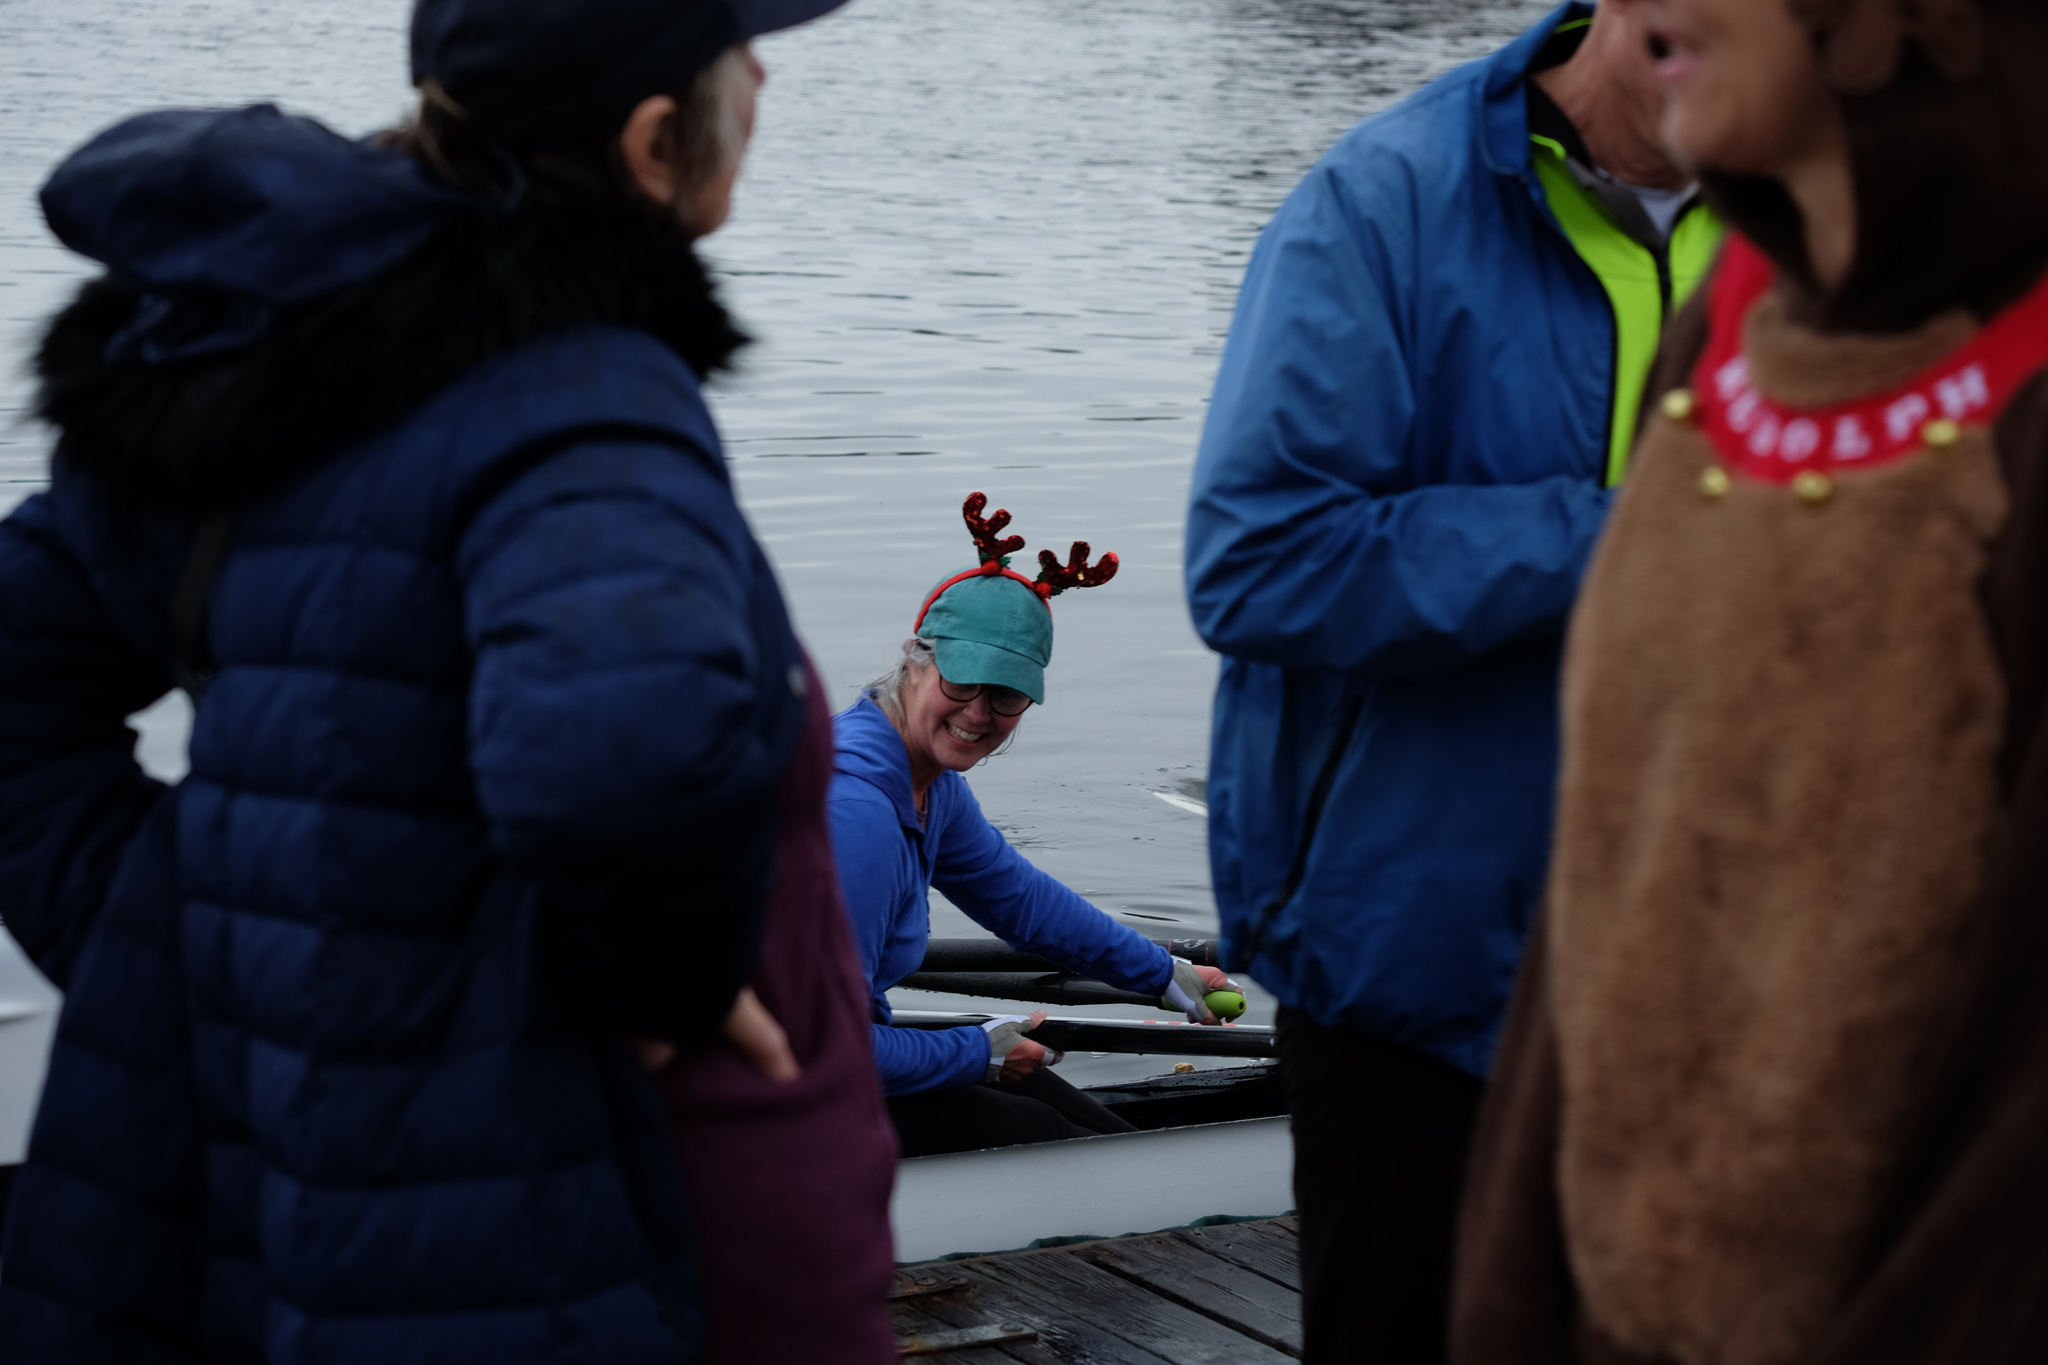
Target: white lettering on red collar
(1771,432)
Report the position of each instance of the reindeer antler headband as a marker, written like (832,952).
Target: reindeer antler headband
(995,549)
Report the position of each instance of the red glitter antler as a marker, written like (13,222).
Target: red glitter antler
(1077,572)
(985,532)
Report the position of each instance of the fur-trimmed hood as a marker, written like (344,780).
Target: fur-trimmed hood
(228,423)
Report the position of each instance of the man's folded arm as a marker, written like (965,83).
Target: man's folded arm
(1310,543)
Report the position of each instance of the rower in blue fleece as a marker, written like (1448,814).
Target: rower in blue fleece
(904,822)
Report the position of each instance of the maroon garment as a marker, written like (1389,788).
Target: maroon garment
(790,1183)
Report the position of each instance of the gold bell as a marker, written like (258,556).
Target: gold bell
(1714,483)
(1183,1068)
(1812,487)
(1941,433)
(1679,405)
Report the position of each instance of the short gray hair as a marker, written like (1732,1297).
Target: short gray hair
(887,690)
(708,135)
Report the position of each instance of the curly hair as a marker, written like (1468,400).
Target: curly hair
(887,690)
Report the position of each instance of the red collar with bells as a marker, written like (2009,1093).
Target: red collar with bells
(1775,443)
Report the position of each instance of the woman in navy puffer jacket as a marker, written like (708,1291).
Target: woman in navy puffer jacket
(507,775)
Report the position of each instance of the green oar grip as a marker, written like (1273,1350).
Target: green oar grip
(1222,1004)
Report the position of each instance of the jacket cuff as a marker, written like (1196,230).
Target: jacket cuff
(971,1054)
(1163,976)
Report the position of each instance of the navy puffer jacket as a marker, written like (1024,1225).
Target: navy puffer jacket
(504,689)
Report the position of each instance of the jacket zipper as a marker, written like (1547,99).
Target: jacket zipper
(1663,257)
(1660,254)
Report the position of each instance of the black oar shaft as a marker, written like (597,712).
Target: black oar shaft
(993,955)
(1041,988)
(1123,1035)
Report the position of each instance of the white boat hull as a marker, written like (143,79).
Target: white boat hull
(28,1025)
(1008,1197)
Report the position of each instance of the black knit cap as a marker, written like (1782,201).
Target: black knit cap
(541,74)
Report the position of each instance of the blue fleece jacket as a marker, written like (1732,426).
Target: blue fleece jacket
(888,862)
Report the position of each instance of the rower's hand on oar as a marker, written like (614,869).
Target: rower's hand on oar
(1190,989)
(755,1035)
(1023,1059)
(1012,1056)
(1225,998)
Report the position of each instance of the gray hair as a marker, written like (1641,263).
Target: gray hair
(708,134)
(887,690)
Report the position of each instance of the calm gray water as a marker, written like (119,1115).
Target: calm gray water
(984,244)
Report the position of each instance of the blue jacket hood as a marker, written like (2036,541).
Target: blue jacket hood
(316,292)
(223,216)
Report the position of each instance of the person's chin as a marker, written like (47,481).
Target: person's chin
(959,754)
(1686,140)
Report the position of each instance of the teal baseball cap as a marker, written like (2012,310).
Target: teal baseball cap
(989,625)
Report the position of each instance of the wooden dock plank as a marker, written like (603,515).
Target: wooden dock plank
(1267,1247)
(1222,1295)
(1078,1294)
(1214,1286)
(1062,1340)
(912,1320)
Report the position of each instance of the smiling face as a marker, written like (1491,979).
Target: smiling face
(1747,96)
(945,734)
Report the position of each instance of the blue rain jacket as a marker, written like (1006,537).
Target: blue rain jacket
(1397,491)
(504,695)
(889,861)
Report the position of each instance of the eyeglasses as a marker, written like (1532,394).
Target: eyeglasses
(1004,701)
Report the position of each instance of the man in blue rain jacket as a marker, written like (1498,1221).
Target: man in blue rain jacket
(1429,388)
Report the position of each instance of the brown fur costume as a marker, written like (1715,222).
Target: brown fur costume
(1775,1087)
(1780,785)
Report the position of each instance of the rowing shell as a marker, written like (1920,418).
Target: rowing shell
(1212,1142)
